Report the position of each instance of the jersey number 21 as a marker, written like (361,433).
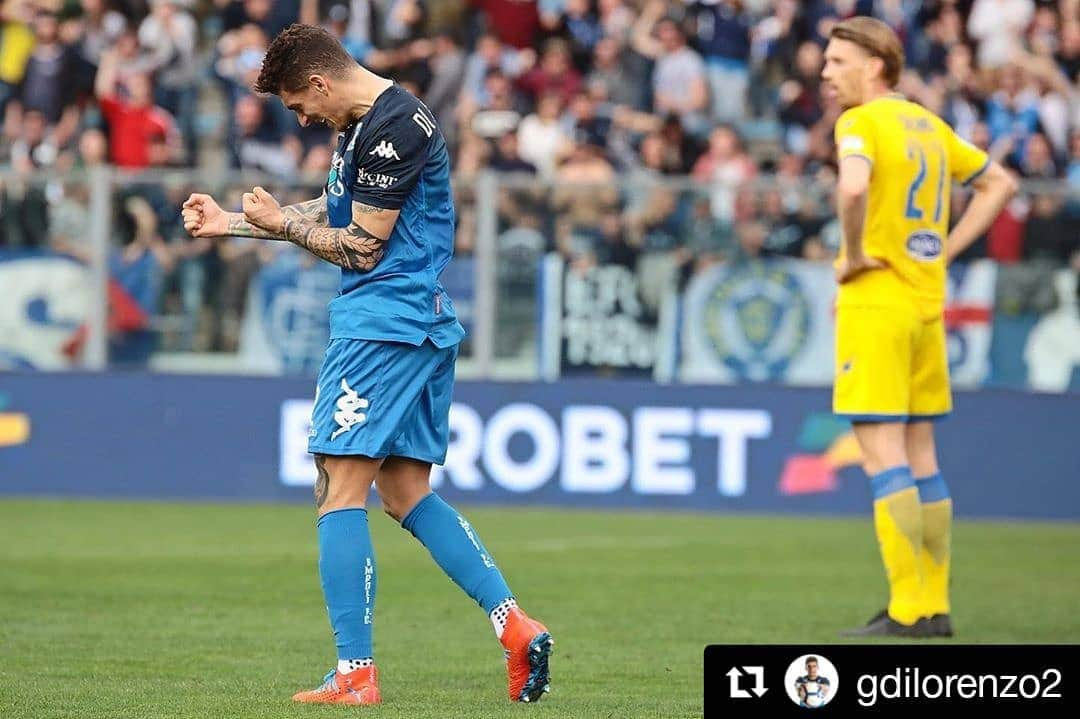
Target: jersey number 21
(917,151)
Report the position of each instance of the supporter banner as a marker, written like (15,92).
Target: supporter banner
(587,443)
(1040,351)
(45,299)
(765,322)
(774,322)
(759,322)
(594,319)
(968,321)
(287,325)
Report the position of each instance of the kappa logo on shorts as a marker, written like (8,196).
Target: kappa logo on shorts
(348,415)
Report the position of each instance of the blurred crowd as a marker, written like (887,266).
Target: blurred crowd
(661,134)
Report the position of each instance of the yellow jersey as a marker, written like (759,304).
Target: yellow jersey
(18,43)
(914,158)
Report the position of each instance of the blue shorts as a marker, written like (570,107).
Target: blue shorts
(381,399)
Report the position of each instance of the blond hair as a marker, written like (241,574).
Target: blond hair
(877,39)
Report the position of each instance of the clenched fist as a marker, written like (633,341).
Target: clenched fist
(203,217)
(262,210)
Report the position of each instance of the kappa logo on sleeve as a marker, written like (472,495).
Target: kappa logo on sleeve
(385,150)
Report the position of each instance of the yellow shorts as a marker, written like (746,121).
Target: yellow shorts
(891,366)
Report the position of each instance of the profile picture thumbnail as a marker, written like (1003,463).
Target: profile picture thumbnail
(811,681)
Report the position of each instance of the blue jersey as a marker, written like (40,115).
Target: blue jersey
(395,158)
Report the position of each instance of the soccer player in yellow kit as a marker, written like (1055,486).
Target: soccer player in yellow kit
(897,161)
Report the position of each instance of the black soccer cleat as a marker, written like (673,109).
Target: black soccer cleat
(940,626)
(882,625)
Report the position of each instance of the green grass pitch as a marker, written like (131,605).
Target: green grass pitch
(146,610)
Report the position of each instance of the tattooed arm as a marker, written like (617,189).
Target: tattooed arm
(358,247)
(312,210)
(352,247)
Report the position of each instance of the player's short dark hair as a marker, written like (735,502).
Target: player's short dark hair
(296,54)
(811,659)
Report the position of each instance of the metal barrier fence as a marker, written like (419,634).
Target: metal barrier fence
(549,278)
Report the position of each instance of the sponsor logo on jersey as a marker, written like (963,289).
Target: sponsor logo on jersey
(334,184)
(924,245)
(385,150)
(374,179)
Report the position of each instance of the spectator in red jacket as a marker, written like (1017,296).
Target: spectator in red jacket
(555,75)
(140,133)
(515,22)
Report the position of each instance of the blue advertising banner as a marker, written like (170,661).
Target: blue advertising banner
(588,443)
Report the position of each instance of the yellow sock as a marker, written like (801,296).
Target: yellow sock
(899,527)
(937,543)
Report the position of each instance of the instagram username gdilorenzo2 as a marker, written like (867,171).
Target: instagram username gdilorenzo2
(908,683)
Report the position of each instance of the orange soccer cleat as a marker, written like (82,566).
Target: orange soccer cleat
(356,687)
(528,646)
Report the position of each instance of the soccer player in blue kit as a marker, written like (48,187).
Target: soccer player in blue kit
(382,402)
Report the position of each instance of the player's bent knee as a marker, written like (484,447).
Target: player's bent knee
(394,504)
(401,484)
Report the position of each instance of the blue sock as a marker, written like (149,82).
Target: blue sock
(932,488)
(347,570)
(457,549)
(891,481)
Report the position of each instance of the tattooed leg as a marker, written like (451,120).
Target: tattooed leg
(322,482)
(343,482)
(346,556)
